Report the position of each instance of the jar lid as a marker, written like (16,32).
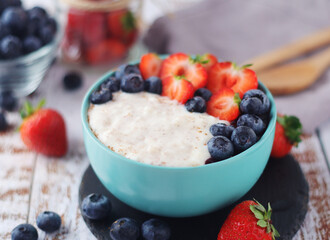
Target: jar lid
(98,5)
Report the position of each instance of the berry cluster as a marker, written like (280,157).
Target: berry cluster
(23,31)
(97,207)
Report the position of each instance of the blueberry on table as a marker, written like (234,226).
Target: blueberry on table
(243,137)
(72,80)
(252,121)
(112,84)
(220,148)
(155,229)
(126,69)
(125,229)
(221,129)
(100,96)
(3,122)
(8,101)
(132,83)
(49,221)
(10,47)
(96,206)
(24,232)
(196,104)
(15,19)
(153,85)
(255,102)
(204,93)
(31,44)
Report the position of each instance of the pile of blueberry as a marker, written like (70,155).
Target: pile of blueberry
(127,78)
(47,221)
(250,126)
(23,31)
(98,207)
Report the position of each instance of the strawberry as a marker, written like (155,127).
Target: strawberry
(177,88)
(224,105)
(43,130)
(93,28)
(249,220)
(287,134)
(208,60)
(150,65)
(228,74)
(181,65)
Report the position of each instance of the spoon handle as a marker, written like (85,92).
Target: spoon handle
(322,59)
(291,50)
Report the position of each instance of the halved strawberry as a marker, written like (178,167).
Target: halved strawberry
(228,74)
(181,65)
(224,105)
(177,88)
(208,60)
(150,65)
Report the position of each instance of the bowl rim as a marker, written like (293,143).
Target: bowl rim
(87,129)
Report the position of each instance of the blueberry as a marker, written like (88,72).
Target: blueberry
(132,83)
(4,31)
(37,13)
(31,44)
(100,96)
(221,129)
(252,121)
(50,22)
(125,229)
(220,148)
(209,161)
(243,137)
(126,69)
(3,122)
(72,80)
(255,102)
(204,93)
(15,19)
(49,221)
(112,83)
(46,34)
(196,104)
(153,85)
(8,101)
(155,229)
(24,232)
(96,206)
(10,47)
(13,3)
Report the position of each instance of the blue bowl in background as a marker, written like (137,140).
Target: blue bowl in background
(177,191)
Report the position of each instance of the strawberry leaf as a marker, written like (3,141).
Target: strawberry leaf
(276,233)
(246,66)
(237,99)
(262,223)
(256,212)
(128,21)
(292,128)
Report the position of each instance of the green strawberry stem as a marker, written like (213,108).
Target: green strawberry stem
(198,59)
(264,218)
(28,109)
(237,99)
(292,128)
(128,21)
(238,68)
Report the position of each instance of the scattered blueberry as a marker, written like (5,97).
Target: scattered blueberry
(220,148)
(132,83)
(8,101)
(221,129)
(153,85)
(24,232)
(126,69)
(204,93)
(125,229)
(196,104)
(72,80)
(3,122)
(4,31)
(15,19)
(10,47)
(155,229)
(112,83)
(255,102)
(252,121)
(46,34)
(243,137)
(96,206)
(100,96)
(49,221)
(31,44)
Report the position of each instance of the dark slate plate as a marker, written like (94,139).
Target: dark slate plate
(282,184)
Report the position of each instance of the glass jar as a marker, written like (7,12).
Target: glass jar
(98,31)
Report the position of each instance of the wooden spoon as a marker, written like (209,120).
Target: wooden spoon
(296,76)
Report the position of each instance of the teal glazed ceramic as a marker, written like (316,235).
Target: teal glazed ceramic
(173,191)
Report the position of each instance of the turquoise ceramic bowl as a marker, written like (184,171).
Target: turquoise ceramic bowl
(172,191)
